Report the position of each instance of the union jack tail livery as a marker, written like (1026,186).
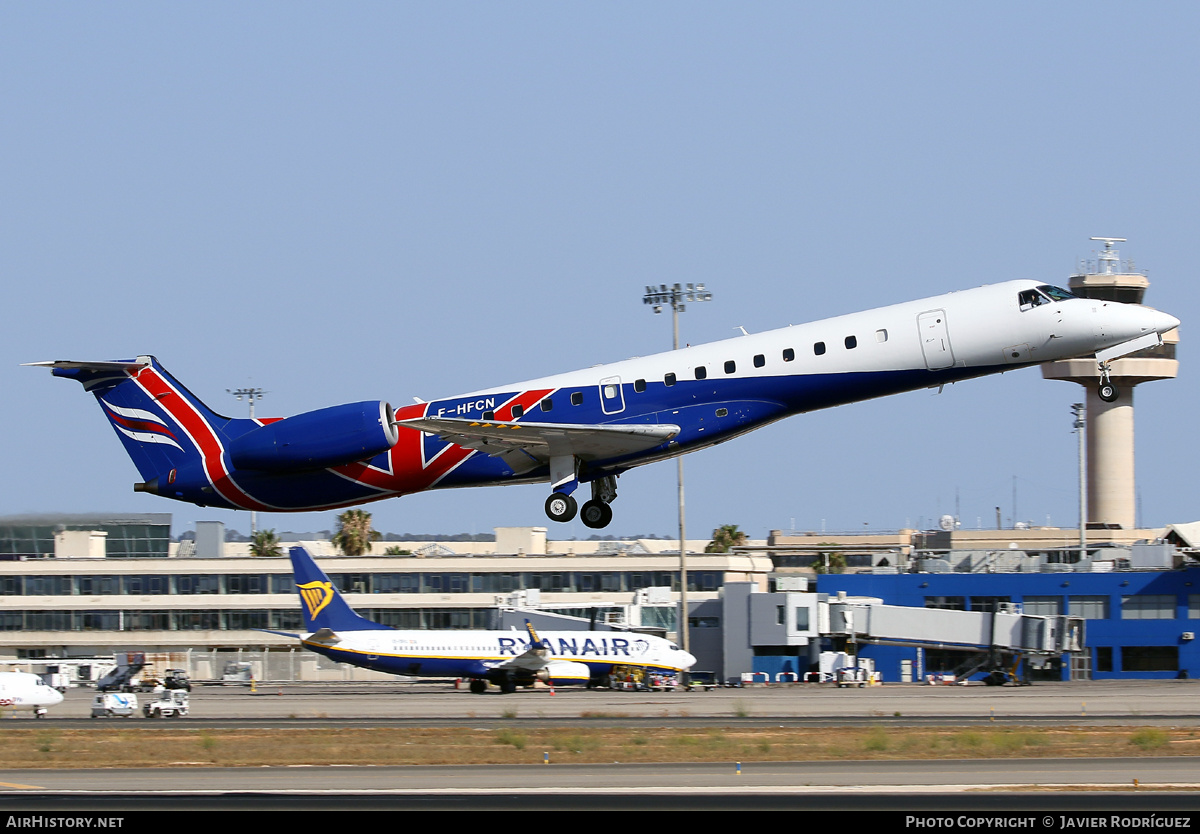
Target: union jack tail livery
(590,426)
(186,451)
(158,420)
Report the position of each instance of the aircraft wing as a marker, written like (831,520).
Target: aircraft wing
(326,636)
(543,440)
(531,660)
(280,633)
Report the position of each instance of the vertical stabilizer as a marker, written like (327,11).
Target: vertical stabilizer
(176,442)
(320,603)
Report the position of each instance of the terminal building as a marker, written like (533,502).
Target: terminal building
(203,603)
(761,612)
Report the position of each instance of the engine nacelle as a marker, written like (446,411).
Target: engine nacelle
(564,671)
(317,439)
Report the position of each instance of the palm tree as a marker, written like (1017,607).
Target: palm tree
(354,535)
(724,538)
(265,543)
(829,561)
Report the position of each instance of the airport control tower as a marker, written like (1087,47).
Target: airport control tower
(1110,479)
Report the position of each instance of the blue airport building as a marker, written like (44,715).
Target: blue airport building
(1138,624)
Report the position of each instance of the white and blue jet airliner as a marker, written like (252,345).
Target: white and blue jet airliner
(25,691)
(590,426)
(507,659)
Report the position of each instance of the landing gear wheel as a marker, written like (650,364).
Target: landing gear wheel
(596,514)
(478,687)
(561,507)
(508,687)
(1108,392)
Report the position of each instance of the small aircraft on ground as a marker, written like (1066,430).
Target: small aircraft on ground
(25,691)
(590,426)
(507,659)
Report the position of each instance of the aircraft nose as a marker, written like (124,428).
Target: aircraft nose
(1129,321)
(1163,322)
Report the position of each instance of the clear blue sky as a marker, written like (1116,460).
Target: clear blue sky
(350,201)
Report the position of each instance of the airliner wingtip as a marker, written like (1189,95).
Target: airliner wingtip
(280,633)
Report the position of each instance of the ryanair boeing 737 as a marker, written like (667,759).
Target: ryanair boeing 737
(591,426)
(507,659)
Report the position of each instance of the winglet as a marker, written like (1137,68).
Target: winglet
(535,642)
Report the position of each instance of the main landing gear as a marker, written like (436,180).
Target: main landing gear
(561,507)
(1107,391)
(595,513)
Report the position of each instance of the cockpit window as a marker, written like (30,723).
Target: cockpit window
(1057,293)
(1028,299)
(1045,294)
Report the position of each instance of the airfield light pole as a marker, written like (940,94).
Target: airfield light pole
(250,394)
(1080,426)
(677,295)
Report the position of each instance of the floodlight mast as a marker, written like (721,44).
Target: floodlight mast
(677,295)
(251,394)
(1080,426)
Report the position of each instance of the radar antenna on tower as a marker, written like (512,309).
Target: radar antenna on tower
(1110,258)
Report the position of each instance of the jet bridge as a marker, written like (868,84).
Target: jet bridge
(1007,629)
(791,626)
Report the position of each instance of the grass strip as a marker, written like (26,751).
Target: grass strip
(142,745)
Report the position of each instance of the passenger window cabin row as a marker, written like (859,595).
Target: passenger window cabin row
(700,372)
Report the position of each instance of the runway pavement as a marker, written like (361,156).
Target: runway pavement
(1126,702)
(906,785)
(970,785)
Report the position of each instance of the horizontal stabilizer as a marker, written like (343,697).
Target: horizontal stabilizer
(543,440)
(69,365)
(325,635)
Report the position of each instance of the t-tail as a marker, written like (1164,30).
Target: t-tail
(186,451)
(321,604)
(176,442)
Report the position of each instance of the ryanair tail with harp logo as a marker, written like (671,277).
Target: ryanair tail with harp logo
(320,603)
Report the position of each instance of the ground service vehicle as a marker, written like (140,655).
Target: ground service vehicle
(168,703)
(114,705)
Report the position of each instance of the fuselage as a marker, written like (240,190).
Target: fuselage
(476,654)
(591,425)
(24,691)
(716,391)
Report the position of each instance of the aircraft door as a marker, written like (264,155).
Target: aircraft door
(935,340)
(612,397)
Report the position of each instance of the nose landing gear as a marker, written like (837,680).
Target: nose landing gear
(1108,392)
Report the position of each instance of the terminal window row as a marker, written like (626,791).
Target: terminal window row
(1086,606)
(1137,658)
(360,583)
(284,619)
(123,540)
